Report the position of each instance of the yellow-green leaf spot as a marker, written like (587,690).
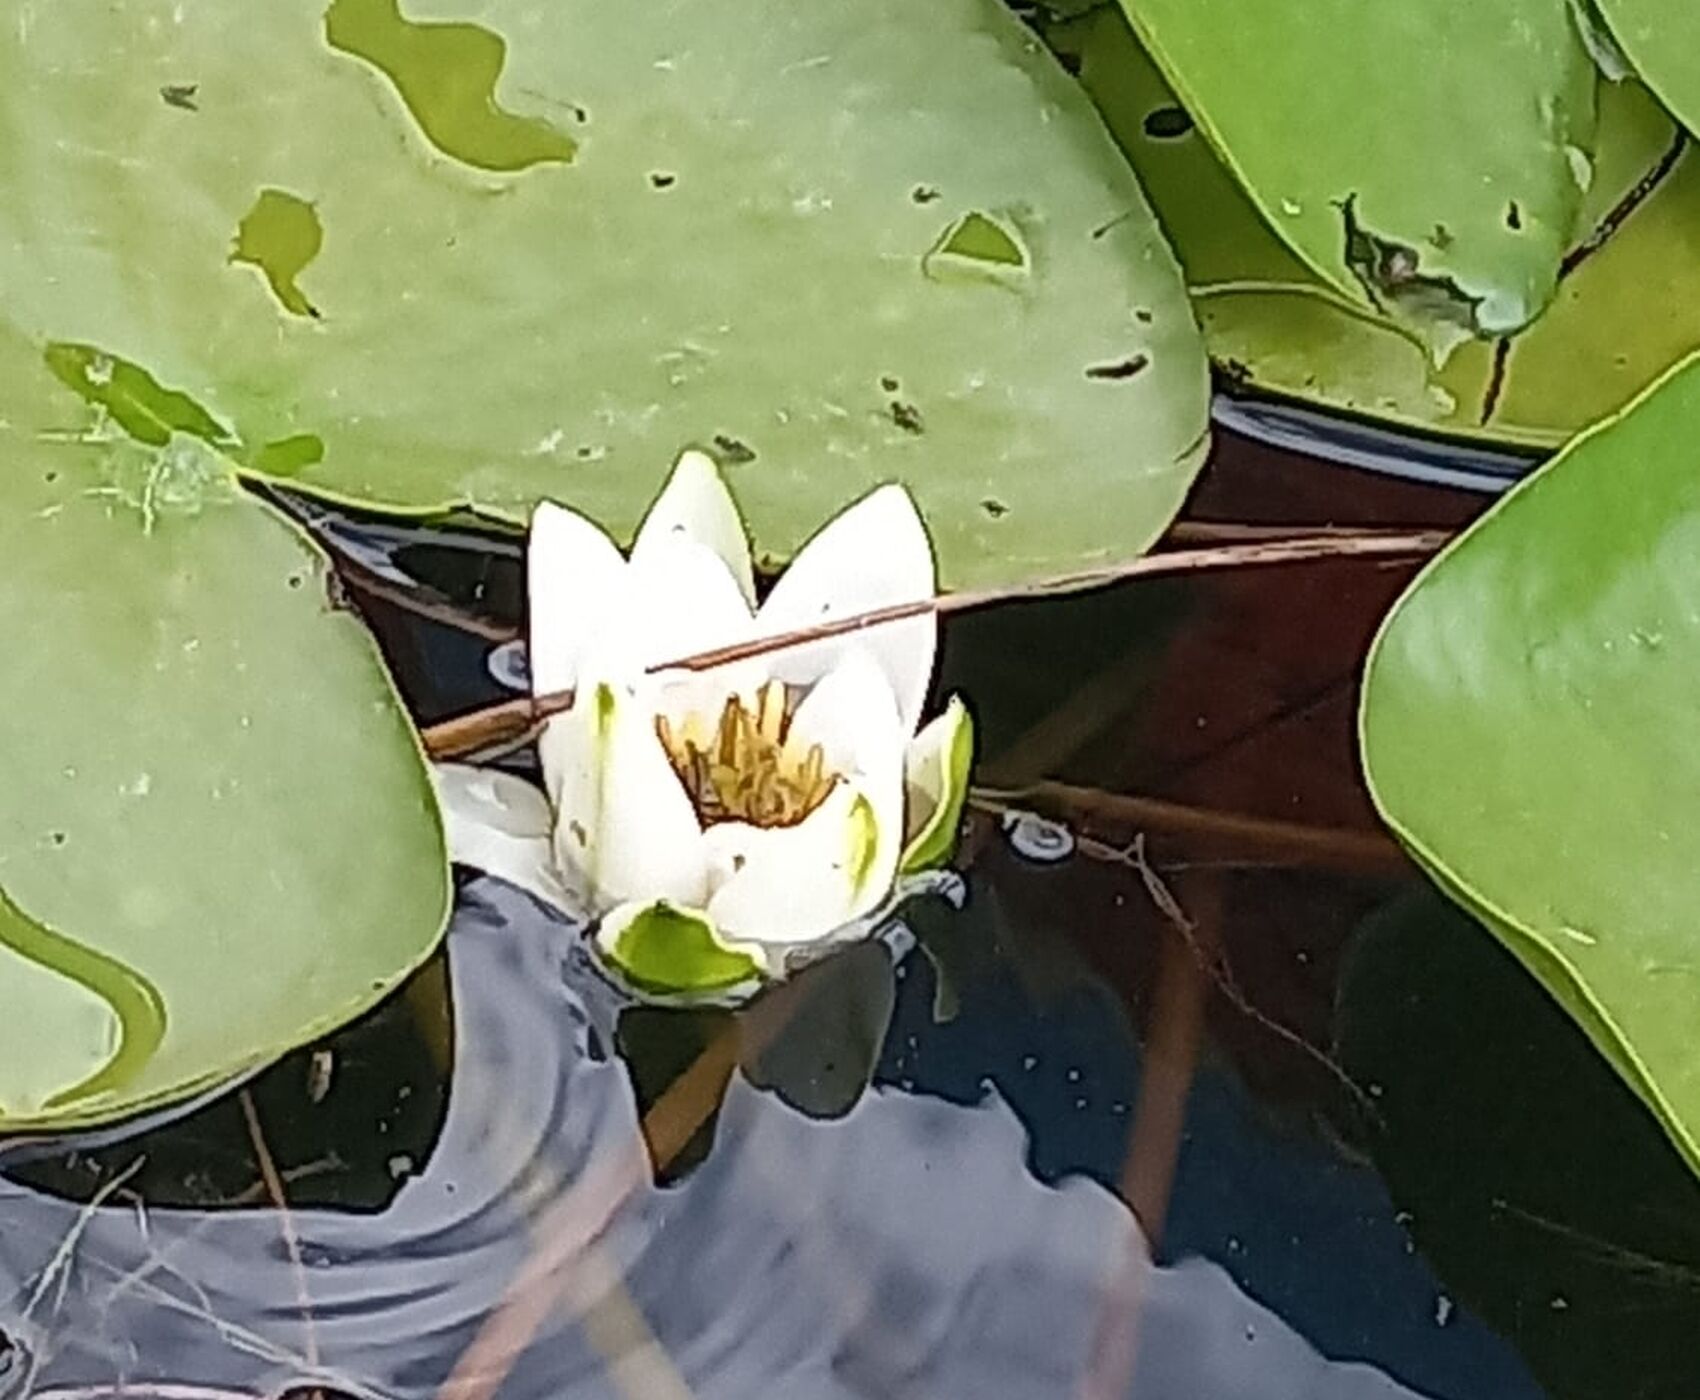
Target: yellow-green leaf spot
(136,401)
(864,836)
(278,237)
(668,949)
(290,455)
(978,246)
(446,74)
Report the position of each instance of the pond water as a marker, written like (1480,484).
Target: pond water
(1210,1097)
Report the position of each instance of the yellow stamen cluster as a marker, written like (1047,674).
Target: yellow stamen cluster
(748,769)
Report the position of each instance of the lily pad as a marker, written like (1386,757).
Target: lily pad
(1661,39)
(1627,305)
(1530,732)
(1423,158)
(217,835)
(477,254)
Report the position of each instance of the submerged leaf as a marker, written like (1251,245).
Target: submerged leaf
(1531,731)
(847,243)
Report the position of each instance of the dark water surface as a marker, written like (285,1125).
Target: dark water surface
(1243,1110)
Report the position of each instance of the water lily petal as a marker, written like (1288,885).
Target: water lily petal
(576,585)
(935,781)
(684,601)
(499,823)
(663,947)
(624,826)
(783,886)
(852,714)
(696,505)
(874,555)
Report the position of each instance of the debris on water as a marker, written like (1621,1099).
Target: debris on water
(1038,838)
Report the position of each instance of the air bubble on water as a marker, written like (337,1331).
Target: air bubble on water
(1037,838)
(509,666)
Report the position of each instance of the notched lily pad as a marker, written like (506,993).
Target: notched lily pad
(739,247)
(217,837)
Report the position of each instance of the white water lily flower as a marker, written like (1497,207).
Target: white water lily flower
(713,825)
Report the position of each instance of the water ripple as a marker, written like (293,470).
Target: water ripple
(898,1247)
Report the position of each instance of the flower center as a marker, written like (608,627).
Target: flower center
(747,768)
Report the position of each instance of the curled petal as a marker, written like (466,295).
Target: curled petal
(663,947)
(874,555)
(499,823)
(696,505)
(935,783)
(624,827)
(576,585)
(852,714)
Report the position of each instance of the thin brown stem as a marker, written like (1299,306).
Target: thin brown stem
(1619,213)
(1275,842)
(411,600)
(501,723)
(285,1223)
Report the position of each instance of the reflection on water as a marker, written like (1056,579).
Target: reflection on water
(903,1248)
(1236,1109)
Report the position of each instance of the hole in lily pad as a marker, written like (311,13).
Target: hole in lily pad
(732,452)
(1167,123)
(446,74)
(924,194)
(907,417)
(662,179)
(1513,217)
(994,508)
(1119,369)
(278,237)
(980,247)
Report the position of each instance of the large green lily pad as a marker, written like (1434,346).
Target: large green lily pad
(1425,158)
(1531,732)
(1621,316)
(217,834)
(483,251)
(1661,38)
